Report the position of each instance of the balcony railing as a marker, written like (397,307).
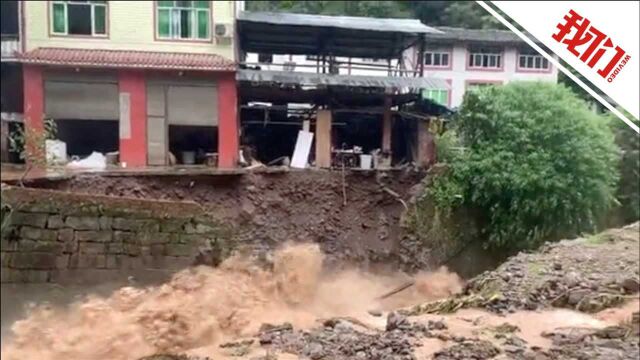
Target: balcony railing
(10,46)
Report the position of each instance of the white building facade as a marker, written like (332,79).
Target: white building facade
(471,58)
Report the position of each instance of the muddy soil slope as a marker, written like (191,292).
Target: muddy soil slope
(360,223)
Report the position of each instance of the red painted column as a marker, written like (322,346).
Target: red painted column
(33,97)
(228,135)
(133,139)
(33,87)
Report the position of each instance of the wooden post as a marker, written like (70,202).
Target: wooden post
(426,145)
(386,126)
(323,139)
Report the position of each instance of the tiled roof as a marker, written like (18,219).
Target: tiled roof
(127,59)
(475,35)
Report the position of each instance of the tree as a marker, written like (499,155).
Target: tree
(30,144)
(628,193)
(537,164)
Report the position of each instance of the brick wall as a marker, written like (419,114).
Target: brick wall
(51,236)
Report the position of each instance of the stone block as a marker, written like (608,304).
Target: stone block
(91,261)
(132,249)
(102,236)
(105,222)
(145,250)
(8,245)
(5,258)
(124,237)
(33,233)
(27,245)
(150,238)
(55,222)
(33,276)
(36,261)
(62,261)
(31,219)
(173,225)
(130,262)
(70,246)
(158,249)
(198,228)
(91,248)
(65,235)
(191,239)
(73,261)
(176,262)
(178,250)
(137,225)
(82,223)
(115,248)
(112,262)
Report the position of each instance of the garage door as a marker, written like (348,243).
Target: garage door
(81,100)
(192,105)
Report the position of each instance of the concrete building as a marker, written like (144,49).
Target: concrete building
(144,78)
(470,58)
(10,75)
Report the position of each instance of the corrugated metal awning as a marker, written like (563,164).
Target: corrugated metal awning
(300,78)
(410,26)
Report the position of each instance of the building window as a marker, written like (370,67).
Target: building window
(529,59)
(79,18)
(474,85)
(184,20)
(436,58)
(437,95)
(485,58)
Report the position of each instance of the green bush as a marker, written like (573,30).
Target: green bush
(628,193)
(537,165)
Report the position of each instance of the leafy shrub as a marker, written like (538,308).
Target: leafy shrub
(628,194)
(537,165)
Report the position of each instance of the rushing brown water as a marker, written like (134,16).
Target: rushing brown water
(201,307)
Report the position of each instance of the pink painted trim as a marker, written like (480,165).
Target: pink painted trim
(210,40)
(531,71)
(481,81)
(473,68)
(448,67)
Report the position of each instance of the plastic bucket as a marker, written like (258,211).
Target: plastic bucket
(188,157)
(365,161)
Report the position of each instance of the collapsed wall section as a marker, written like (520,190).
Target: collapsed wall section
(52,236)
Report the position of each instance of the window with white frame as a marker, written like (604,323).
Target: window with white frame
(439,96)
(79,18)
(183,20)
(531,60)
(485,57)
(437,58)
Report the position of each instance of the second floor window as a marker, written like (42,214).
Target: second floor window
(485,58)
(529,59)
(79,18)
(186,20)
(437,58)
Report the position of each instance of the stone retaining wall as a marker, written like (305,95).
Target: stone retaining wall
(51,236)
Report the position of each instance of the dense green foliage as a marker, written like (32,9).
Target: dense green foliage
(465,14)
(628,193)
(537,164)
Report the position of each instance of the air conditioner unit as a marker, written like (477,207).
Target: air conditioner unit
(224,30)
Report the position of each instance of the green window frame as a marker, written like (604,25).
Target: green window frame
(439,96)
(63,23)
(183,20)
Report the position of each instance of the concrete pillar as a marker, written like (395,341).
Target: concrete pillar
(323,139)
(385,161)
(133,118)
(228,134)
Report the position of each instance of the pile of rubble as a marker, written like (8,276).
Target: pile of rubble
(586,274)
